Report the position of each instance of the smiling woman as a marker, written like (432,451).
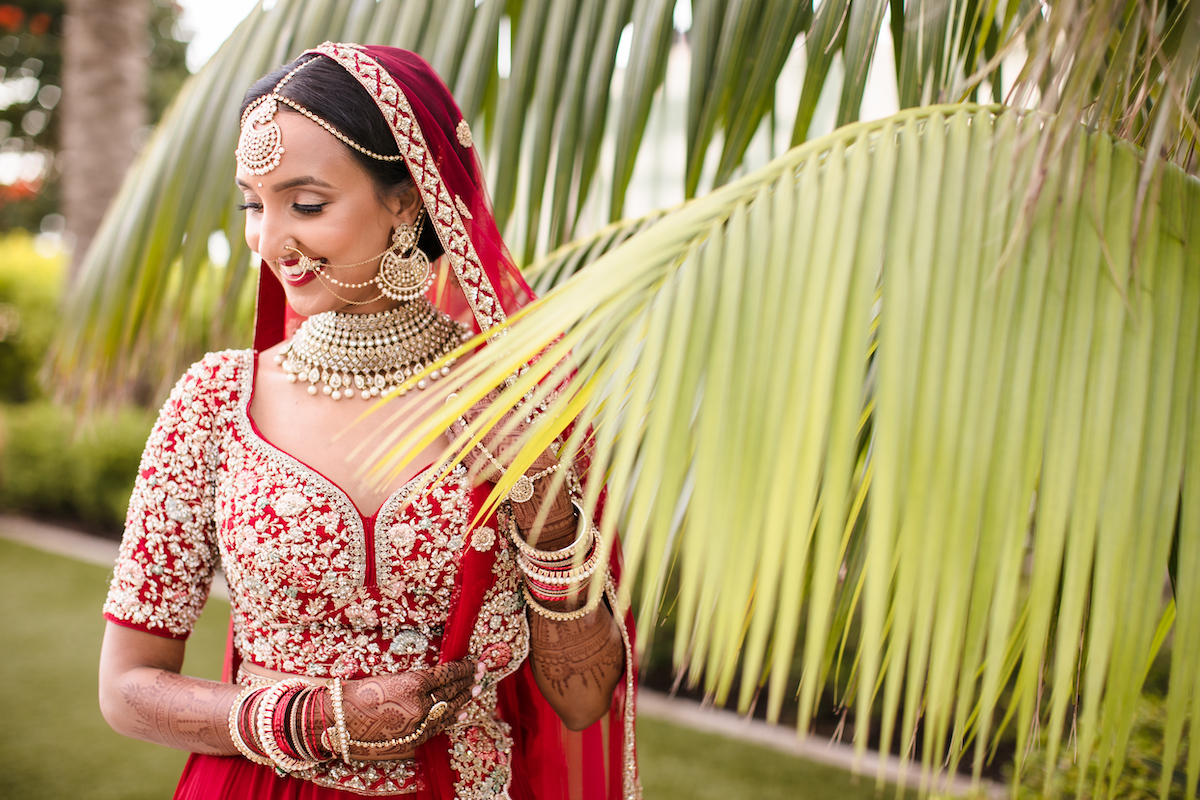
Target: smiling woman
(387,638)
(320,206)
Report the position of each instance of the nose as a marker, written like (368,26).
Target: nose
(267,236)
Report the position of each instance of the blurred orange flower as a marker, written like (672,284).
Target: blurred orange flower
(40,23)
(11,17)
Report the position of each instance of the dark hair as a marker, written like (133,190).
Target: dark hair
(331,93)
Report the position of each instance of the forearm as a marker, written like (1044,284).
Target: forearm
(143,696)
(577,663)
(151,701)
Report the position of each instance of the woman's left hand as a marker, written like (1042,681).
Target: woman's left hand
(408,708)
(489,459)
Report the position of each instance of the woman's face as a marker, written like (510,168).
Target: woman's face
(320,202)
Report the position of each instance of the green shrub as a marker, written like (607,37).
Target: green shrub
(1143,763)
(30,286)
(50,467)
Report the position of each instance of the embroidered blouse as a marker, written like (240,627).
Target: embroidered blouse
(317,589)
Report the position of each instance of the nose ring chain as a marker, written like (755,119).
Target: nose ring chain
(309,264)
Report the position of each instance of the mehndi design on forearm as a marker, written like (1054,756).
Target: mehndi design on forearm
(176,711)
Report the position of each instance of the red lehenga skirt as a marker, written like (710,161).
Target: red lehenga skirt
(548,761)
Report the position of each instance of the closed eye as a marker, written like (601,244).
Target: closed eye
(250,207)
(304,208)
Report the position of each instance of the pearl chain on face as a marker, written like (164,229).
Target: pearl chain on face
(371,355)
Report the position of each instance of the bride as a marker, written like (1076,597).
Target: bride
(384,641)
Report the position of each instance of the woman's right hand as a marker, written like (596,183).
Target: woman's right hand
(390,707)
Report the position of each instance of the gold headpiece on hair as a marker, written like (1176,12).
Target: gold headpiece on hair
(260,145)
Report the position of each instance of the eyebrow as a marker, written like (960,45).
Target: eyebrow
(303,180)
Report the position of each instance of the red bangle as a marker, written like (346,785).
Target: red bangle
(280,721)
(245,723)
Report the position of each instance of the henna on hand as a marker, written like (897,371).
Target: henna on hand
(577,664)
(547,519)
(559,523)
(501,442)
(578,654)
(386,707)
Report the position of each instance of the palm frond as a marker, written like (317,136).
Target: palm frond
(815,394)
(1127,67)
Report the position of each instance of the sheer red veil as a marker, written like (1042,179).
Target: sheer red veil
(477,283)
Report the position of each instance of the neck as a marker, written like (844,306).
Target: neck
(372,354)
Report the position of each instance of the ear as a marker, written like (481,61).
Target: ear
(406,204)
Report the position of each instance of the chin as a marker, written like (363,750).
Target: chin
(310,307)
(310,300)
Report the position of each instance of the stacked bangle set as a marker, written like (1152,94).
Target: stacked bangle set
(552,575)
(281,726)
(556,575)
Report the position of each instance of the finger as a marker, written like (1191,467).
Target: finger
(455,688)
(453,670)
(443,712)
(463,695)
(456,706)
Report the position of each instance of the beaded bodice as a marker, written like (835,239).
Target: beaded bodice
(317,589)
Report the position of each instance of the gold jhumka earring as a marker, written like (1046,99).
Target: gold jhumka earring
(405,272)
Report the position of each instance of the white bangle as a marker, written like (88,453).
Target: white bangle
(559,577)
(339,720)
(236,735)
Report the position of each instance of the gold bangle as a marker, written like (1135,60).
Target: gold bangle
(587,532)
(561,616)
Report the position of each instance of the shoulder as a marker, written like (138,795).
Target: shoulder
(213,384)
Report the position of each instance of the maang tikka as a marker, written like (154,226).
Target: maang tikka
(260,144)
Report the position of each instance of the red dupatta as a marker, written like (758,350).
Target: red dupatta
(477,283)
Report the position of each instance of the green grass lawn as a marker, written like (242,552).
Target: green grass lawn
(54,743)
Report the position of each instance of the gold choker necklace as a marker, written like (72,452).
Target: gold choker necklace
(372,355)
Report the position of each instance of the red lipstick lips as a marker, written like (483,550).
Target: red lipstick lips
(294,280)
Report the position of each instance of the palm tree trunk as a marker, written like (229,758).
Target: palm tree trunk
(104,106)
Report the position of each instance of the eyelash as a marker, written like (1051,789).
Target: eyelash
(314,208)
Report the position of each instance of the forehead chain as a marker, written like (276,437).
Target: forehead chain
(260,145)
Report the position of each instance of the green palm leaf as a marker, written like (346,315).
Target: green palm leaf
(542,127)
(1017,429)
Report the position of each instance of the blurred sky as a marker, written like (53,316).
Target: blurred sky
(210,22)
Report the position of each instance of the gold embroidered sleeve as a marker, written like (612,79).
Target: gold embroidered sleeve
(169,552)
